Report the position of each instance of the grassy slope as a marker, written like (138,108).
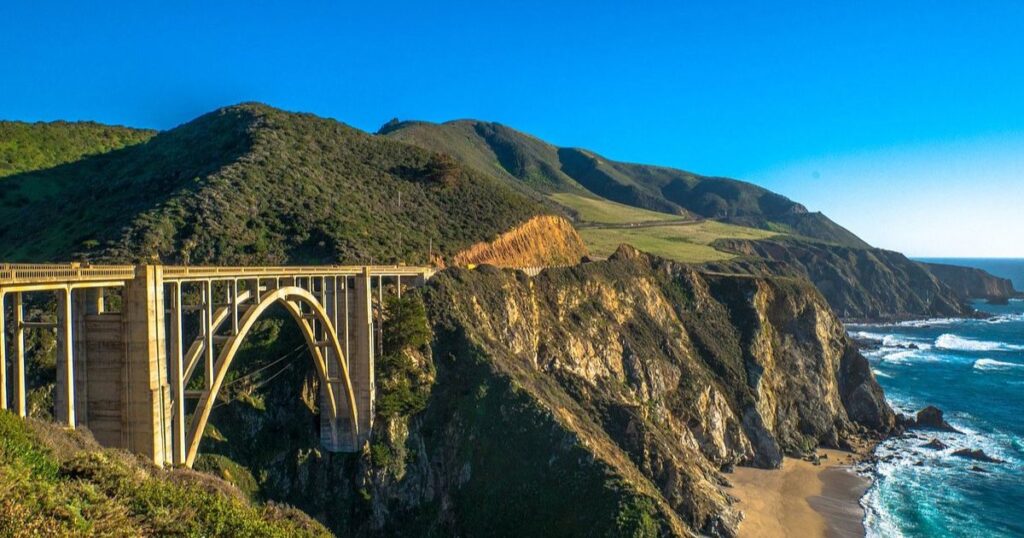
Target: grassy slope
(25,147)
(251,184)
(688,243)
(58,483)
(593,209)
(512,155)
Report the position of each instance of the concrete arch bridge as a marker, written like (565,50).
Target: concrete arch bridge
(124,372)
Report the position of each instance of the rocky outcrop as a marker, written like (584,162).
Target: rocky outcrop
(542,241)
(858,283)
(976,455)
(972,283)
(659,375)
(931,418)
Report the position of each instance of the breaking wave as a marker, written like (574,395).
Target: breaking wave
(953,342)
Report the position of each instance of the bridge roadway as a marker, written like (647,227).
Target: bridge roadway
(123,372)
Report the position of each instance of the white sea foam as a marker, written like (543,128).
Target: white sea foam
(1005,318)
(879,373)
(864,335)
(992,364)
(953,342)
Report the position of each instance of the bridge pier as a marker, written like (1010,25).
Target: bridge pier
(146,395)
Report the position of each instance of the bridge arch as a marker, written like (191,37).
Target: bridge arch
(292,298)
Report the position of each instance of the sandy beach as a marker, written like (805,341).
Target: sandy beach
(801,499)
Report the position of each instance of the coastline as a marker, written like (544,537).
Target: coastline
(802,499)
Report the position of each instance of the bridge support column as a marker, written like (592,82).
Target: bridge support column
(20,399)
(335,432)
(362,352)
(146,425)
(64,394)
(3,352)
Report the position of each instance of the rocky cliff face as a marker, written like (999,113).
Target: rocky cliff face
(972,283)
(858,283)
(601,399)
(637,369)
(542,241)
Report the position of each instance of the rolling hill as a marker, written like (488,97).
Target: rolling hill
(519,157)
(250,184)
(25,147)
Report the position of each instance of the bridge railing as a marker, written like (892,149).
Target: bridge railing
(199,272)
(73,272)
(21,273)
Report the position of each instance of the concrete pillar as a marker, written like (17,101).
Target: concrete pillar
(3,353)
(207,328)
(177,378)
(147,399)
(20,397)
(86,302)
(64,392)
(104,374)
(335,432)
(362,351)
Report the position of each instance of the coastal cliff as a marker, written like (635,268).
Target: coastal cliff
(972,283)
(859,283)
(630,383)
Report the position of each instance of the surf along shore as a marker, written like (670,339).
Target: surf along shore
(801,498)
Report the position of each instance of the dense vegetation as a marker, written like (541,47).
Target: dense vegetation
(57,483)
(251,184)
(25,147)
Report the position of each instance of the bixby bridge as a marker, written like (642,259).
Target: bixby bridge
(136,343)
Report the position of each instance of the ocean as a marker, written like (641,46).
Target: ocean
(974,371)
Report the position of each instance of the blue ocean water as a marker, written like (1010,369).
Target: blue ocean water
(974,371)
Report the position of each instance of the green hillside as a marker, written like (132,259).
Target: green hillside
(515,156)
(59,483)
(687,242)
(25,147)
(251,184)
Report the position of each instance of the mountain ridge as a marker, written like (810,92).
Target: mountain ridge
(520,156)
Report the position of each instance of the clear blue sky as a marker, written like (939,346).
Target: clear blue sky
(903,121)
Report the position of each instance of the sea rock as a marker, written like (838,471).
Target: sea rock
(976,455)
(935,444)
(931,417)
(978,469)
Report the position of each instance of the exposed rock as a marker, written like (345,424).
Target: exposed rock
(978,469)
(539,242)
(976,455)
(935,444)
(664,375)
(931,417)
(859,283)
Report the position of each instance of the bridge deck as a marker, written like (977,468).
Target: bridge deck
(74,273)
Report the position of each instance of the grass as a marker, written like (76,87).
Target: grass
(688,243)
(59,483)
(599,210)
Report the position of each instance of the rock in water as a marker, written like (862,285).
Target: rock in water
(935,444)
(976,455)
(931,417)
